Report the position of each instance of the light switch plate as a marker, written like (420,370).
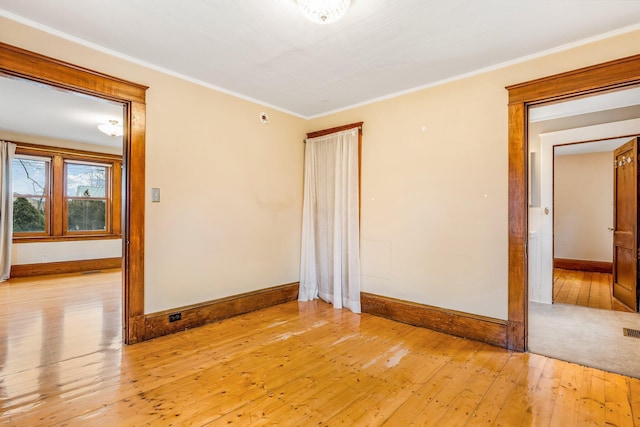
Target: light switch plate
(155,194)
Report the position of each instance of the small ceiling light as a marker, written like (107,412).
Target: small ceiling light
(112,128)
(323,11)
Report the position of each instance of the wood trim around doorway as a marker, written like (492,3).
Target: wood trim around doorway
(611,75)
(23,64)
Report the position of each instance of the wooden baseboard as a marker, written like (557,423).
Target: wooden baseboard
(583,265)
(479,328)
(63,267)
(157,324)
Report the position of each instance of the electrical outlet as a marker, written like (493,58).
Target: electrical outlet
(175,317)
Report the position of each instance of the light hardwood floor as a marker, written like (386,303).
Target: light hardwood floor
(296,364)
(584,288)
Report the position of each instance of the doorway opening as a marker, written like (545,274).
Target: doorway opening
(66,252)
(583,217)
(22,64)
(599,79)
(618,74)
(571,189)
(571,217)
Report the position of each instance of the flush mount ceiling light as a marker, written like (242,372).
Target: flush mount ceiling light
(113,128)
(323,11)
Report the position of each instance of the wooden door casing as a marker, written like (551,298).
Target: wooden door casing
(616,74)
(19,63)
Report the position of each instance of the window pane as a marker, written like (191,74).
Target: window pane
(86,180)
(29,177)
(86,215)
(29,214)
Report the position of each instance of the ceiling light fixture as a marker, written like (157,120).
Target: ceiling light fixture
(323,11)
(113,128)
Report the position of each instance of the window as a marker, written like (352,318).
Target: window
(86,198)
(65,194)
(30,194)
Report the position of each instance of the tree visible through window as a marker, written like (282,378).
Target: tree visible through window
(59,194)
(30,194)
(86,197)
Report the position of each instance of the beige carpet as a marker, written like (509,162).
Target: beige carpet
(588,336)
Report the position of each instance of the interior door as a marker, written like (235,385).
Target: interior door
(625,240)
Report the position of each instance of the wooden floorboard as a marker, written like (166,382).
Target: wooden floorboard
(303,364)
(585,288)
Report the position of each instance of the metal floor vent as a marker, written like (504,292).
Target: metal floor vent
(633,333)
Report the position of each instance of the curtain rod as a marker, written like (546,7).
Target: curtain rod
(334,129)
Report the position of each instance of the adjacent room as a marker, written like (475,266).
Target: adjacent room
(574,217)
(319,213)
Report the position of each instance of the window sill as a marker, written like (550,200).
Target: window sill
(40,239)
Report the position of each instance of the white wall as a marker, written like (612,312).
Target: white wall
(43,252)
(583,197)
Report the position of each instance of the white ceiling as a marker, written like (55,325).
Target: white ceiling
(583,112)
(266,51)
(589,147)
(41,110)
(587,105)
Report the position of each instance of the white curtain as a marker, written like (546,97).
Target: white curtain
(7,150)
(330,261)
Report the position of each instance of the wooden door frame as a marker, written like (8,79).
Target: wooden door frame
(19,63)
(616,74)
